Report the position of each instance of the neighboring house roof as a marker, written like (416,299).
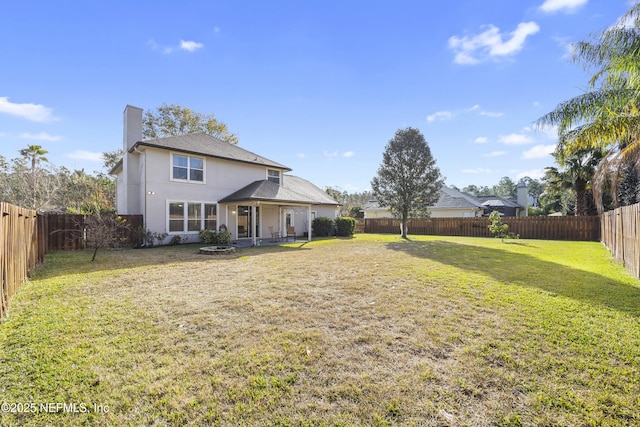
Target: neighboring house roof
(372,205)
(496,201)
(454,199)
(449,199)
(206,145)
(293,190)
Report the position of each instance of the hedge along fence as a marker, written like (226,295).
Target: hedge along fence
(22,249)
(621,235)
(536,227)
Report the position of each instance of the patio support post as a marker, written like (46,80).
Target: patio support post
(253,224)
(226,218)
(309,223)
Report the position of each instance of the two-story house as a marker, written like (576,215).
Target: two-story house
(188,183)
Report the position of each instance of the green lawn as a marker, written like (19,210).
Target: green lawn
(374,330)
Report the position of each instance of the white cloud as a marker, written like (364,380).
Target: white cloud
(348,154)
(534,173)
(330,154)
(491,43)
(439,115)
(33,112)
(476,171)
(85,155)
(301,155)
(567,6)
(567,47)
(495,154)
(491,113)
(515,139)
(539,151)
(481,140)
(190,46)
(42,136)
(550,132)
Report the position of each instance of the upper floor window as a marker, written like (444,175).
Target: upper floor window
(273,176)
(187,168)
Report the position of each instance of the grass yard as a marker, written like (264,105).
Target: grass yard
(374,330)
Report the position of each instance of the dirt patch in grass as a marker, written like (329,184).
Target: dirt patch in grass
(368,331)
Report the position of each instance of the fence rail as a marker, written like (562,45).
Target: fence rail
(548,227)
(22,248)
(620,234)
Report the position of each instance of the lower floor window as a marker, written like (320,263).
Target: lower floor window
(192,216)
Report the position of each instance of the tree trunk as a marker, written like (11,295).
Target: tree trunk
(403,227)
(581,197)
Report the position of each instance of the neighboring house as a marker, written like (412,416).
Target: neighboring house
(453,203)
(188,183)
(504,206)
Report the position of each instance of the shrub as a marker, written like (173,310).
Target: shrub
(160,237)
(345,226)
(212,237)
(224,238)
(534,211)
(497,227)
(144,237)
(322,226)
(175,240)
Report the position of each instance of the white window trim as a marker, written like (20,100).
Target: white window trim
(185,215)
(204,168)
(279,175)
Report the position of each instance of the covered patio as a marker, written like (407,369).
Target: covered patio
(252,213)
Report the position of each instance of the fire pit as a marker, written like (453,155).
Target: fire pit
(218,250)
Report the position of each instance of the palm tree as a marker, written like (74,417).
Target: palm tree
(34,154)
(609,113)
(576,173)
(607,116)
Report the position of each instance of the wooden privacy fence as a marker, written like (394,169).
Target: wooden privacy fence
(620,234)
(66,231)
(22,248)
(535,227)
(25,236)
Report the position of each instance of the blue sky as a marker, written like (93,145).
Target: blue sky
(319,85)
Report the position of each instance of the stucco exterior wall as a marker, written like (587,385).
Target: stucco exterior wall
(453,213)
(152,184)
(377,213)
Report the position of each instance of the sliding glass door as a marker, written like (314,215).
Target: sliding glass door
(246,220)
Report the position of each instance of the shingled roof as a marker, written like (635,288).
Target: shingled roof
(293,190)
(454,199)
(206,145)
